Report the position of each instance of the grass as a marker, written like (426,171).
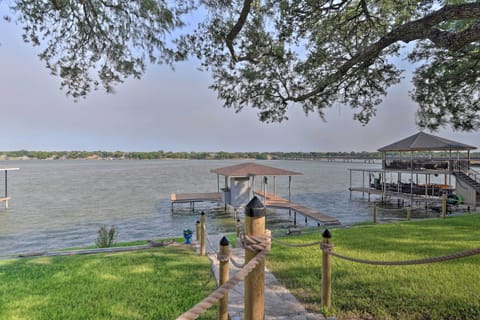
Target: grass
(158,283)
(446,290)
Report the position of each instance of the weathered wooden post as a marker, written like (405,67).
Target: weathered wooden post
(224,275)
(197,230)
(409,213)
(326,272)
(203,234)
(254,282)
(444,205)
(374,213)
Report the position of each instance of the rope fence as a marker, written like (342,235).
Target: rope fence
(467,253)
(328,248)
(257,246)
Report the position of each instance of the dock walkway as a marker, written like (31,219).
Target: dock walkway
(274,201)
(195,197)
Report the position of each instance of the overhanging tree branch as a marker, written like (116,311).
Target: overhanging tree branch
(415,30)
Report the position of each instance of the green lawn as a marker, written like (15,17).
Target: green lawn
(446,290)
(159,283)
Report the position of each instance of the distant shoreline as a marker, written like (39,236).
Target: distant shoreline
(168,155)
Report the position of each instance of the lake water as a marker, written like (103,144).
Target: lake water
(58,204)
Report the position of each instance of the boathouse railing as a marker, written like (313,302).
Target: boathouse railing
(423,164)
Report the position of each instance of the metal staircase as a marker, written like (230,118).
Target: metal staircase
(470,178)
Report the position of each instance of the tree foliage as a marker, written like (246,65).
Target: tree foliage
(271,55)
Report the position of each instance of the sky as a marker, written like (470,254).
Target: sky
(175,111)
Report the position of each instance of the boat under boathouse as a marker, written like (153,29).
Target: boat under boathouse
(244,181)
(422,168)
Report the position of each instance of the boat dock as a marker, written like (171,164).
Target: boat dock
(195,197)
(239,188)
(275,201)
(271,201)
(5,198)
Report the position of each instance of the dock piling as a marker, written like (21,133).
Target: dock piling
(203,234)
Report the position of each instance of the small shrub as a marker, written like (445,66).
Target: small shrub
(106,237)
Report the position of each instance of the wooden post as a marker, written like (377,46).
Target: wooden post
(203,234)
(444,205)
(197,230)
(374,213)
(409,213)
(6,190)
(224,274)
(239,226)
(326,273)
(254,282)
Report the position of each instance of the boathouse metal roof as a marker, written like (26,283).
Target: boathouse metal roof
(422,141)
(249,169)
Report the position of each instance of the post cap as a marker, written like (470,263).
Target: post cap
(326,234)
(198,221)
(224,241)
(255,208)
(203,213)
(238,220)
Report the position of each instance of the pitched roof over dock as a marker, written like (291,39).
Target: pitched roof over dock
(250,169)
(422,141)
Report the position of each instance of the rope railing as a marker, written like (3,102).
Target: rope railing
(259,244)
(296,245)
(236,264)
(212,246)
(328,248)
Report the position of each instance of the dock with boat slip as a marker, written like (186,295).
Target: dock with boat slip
(271,201)
(239,188)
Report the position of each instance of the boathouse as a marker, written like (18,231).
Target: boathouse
(244,181)
(423,167)
(240,181)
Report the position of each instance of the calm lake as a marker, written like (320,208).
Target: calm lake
(58,204)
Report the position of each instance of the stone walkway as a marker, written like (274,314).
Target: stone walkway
(280,304)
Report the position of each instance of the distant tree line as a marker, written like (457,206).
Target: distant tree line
(221,155)
(157,155)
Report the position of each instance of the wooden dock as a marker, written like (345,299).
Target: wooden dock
(195,197)
(274,201)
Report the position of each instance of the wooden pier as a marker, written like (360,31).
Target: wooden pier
(274,201)
(195,197)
